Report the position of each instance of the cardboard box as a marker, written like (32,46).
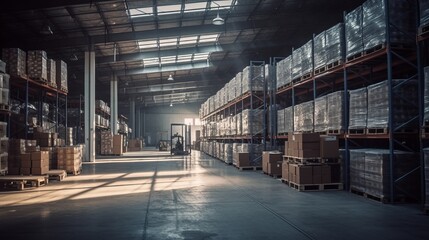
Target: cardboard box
(39,171)
(44,142)
(40,155)
(270,157)
(285,170)
(329,147)
(326,174)
(306,137)
(13,171)
(307,153)
(336,173)
(309,146)
(304,174)
(25,157)
(292,172)
(118,144)
(317,174)
(25,171)
(275,168)
(25,164)
(241,159)
(39,163)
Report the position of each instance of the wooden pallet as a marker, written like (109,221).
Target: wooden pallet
(316,187)
(284,86)
(63,89)
(306,76)
(354,56)
(306,161)
(41,80)
(375,131)
(335,131)
(285,181)
(15,182)
(254,168)
(273,175)
(57,175)
(74,173)
(334,64)
(330,160)
(381,199)
(320,70)
(374,49)
(357,131)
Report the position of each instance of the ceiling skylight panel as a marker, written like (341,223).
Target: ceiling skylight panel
(195,7)
(148,44)
(223,4)
(141,12)
(168,59)
(184,58)
(200,56)
(188,40)
(151,61)
(169,9)
(208,38)
(167,42)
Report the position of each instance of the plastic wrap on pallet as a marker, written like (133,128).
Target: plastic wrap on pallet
(255,153)
(404,102)
(233,125)
(283,72)
(253,78)
(320,50)
(239,84)
(426,94)
(334,43)
(37,65)
(402,17)
(51,72)
(424,13)
(252,121)
(335,110)
(307,58)
(281,121)
(358,108)
(357,169)
(239,123)
(321,114)
(16,61)
(61,71)
(4,80)
(353,32)
(377,172)
(296,68)
(231,90)
(289,119)
(303,117)
(228,153)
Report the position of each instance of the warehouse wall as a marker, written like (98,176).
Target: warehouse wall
(160,118)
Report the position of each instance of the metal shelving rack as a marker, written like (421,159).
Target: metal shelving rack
(388,63)
(248,100)
(23,89)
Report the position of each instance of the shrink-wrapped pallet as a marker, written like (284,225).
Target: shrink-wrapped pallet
(289,120)
(335,109)
(334,43)
(253,78)
(321,114)
(353,31)
(320,50)
(281,121)
(228,153)
(37,65)
(16,61)
(307,58)
(303,117)
(252,121)
(296,68)
(424,15)
(283,72)
(358,108)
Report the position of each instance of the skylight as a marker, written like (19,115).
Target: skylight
(167,42)
(167,60)
(183,41)
(148,44)
(177,8)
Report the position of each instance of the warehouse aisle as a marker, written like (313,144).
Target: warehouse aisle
(159,196)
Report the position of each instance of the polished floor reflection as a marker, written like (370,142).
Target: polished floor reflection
(152,195)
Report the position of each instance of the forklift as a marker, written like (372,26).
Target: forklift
(180,139)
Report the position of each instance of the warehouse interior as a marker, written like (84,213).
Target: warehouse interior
(214,119)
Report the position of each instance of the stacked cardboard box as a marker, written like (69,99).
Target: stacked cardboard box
(37,65)
(53,160)
(241,159)
(61,75)
(118,144)
(303,145)
(70,159)
(106,142)
(4,148)
(2,67)
(16,61)
(44,139)
(311,174)
(35,163)
(272,163)
(52,73)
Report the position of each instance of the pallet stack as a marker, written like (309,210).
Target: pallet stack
(61,75)
(106,143)
(272,163)
(118,144)
(52,73)
(37,65)
(4,148)
(70,159)
(311,162)
(16,61)
(135,145)
(35,163)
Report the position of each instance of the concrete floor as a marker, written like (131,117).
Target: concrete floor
(195,197)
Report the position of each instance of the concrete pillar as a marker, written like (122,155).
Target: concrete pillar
(114,104)
(90,106)
(132,118)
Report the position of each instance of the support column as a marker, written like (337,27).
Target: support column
(138,122)
(132,119)
(90,105)
(114,104)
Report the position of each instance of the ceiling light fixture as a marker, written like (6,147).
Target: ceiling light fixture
(46,30)
(74,57)
(171,104)
(218,20)
(170,78)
